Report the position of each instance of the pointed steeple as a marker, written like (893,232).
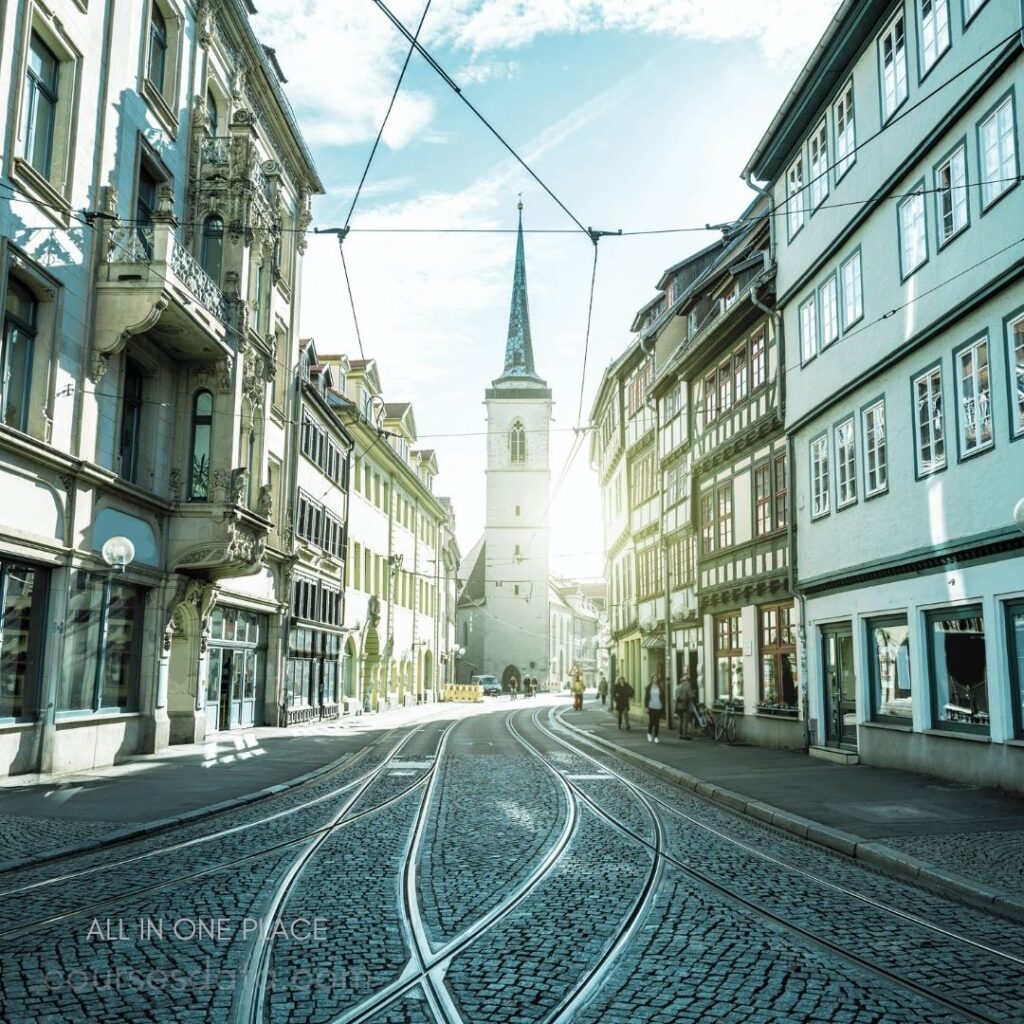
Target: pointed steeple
(519,347)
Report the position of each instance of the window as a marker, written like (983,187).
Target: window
(1015,357)
(707,521)
(974,405)
(781,469)
(951,194)
(724,501)
(728,658)
(971,8)
(211,254)
(212,116)
(794,195)
(199,466)
(1015,636)
(710,398)
(934,21)
(889,665)
(819,477)
(846,464)
(21,313)
(517,442)
(893,57)
(42,78)
(808,330)
(818,147)
(853,292)
(763,499)
(931,443)
(846,134)
(131,421)
(645,484)
(913,240)
(740,374)
(779,672)
(956,638)
(758,364)
(724,387)
(876,468)
(102,644)
(637,390)
(156,68)
(23,590)
(829,296)
(997,142)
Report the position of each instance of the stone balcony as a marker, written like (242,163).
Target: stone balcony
(149,282)
(220,538)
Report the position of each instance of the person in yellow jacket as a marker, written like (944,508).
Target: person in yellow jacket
(577,689)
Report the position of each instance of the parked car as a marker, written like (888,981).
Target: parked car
(490,685)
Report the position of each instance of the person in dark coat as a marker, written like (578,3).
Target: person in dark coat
(513,686)
(602,690)
(686,705)
(622,694)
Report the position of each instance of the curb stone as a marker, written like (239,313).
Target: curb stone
(876,854)
(161,824)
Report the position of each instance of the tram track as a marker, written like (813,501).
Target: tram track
(427,966)
(933,995)
(249,1005)
(356,788)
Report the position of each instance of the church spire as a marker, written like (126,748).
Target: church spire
(519,347)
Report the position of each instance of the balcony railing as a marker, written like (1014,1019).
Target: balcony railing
(139,245)
(192,275)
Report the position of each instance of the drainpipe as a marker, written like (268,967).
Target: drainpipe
(780,403)
(667,672)
(749,182)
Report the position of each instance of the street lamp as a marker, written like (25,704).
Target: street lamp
(118,553)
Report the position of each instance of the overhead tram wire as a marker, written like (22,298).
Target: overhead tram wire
(387,114)
(450,82)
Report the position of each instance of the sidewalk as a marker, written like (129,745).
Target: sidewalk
(964,840)
(43,817)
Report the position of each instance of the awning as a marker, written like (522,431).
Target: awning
(652,641)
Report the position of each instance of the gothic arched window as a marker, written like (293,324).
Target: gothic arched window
(517,442)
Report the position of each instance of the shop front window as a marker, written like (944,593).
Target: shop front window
(1015,635)
(779,673)
(889,647)
(22,604)
(101,650)
(959,670)
(728,658)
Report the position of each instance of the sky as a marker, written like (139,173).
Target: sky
(636,114)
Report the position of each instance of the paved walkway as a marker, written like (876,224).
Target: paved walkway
(963,838)
(42,817)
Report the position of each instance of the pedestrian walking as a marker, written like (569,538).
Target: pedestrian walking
(578,689)
(654,705)
(513,686)
(602,690)
(622,694)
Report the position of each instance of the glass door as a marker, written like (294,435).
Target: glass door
(840,687)
(247,709)
(213,675)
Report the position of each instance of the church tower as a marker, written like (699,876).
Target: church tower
(518,484)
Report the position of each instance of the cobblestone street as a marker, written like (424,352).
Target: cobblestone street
(489,864)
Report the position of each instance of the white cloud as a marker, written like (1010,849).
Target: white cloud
(342,61)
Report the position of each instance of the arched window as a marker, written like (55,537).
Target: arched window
(517,442)
(157,47)
(202,430)
(212,117)
(211,254)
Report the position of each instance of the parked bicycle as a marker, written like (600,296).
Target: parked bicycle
(725,723)
(703,719)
